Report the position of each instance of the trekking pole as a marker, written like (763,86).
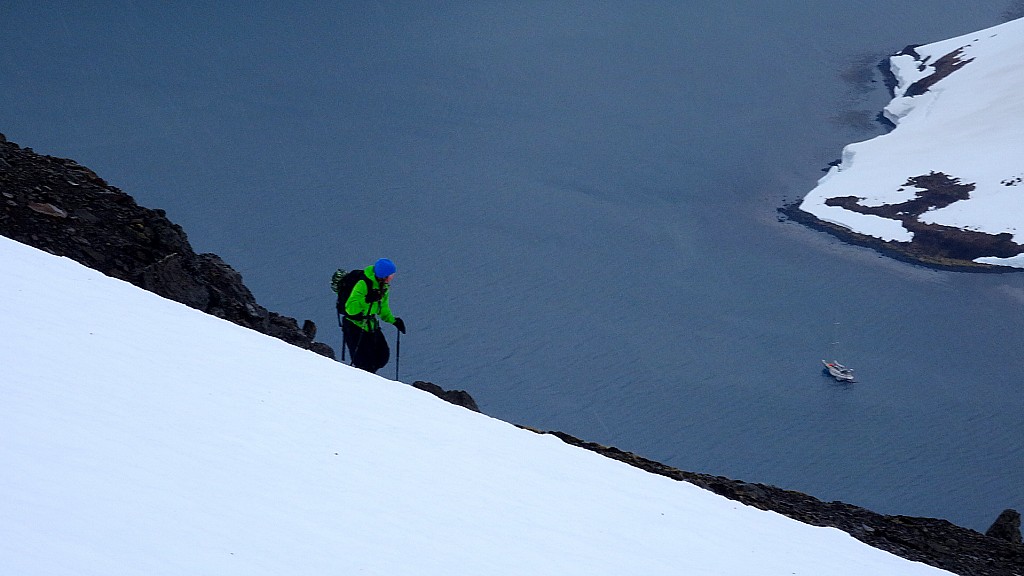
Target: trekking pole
(342,338)
(398,352)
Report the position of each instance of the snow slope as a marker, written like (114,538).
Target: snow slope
(139,436)
(968,125)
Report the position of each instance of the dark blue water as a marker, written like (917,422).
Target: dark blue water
(580,198)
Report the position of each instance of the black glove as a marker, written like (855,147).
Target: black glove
(374,295)
(400,325)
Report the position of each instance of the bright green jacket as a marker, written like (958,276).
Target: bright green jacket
(362,313)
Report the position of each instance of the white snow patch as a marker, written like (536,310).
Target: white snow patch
(139,436)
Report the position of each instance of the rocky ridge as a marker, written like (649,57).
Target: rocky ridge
(64,208)
(931,541)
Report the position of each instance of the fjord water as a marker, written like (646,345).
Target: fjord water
(580,198)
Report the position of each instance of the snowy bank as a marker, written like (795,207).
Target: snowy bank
(946,186)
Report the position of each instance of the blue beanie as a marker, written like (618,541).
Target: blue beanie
(383,268)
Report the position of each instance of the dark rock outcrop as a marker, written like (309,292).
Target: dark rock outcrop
(931,541)
(457,397)
(1006,527)
(64,208)
(942,67)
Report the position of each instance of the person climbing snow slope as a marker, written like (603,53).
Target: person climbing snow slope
(368,300)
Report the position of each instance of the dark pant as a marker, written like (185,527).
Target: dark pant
(369,350)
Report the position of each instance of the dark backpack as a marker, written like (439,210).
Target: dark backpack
(342,283)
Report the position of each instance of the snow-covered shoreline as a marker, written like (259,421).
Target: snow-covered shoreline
(958,108)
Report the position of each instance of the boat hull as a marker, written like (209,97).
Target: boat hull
(838,371)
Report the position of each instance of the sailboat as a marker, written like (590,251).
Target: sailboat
(838,371)
(834,369)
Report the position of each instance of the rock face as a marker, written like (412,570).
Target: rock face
(63,208)
(1006,527)
(457,397)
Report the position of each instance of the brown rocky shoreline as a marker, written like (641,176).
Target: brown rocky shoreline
(63,208)
(936,247)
